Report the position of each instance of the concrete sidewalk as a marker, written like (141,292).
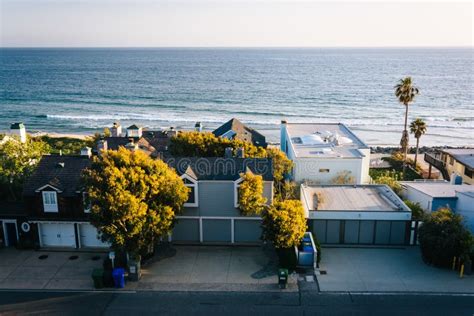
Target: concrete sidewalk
(386,270)
(214,268)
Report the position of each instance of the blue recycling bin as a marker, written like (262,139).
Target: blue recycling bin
(118,275)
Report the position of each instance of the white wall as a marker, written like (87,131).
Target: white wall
(416,196)
(465,207)
(308,169)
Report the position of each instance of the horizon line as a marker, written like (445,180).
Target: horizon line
(233,47)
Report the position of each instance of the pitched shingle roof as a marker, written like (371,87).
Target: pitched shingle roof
(61,172)
(113,143)
(212,168)
(242,132)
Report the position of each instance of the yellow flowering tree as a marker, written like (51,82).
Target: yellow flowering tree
(134,199)
(284,223)
(251,199)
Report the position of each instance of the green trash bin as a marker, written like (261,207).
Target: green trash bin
(282,278)
(98,277)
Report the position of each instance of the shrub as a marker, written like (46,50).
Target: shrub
(251,200)
(442,237)
(417,212)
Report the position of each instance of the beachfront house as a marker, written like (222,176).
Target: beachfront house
(235,129)
(356,214)
(211,214)
(325,153)
(57,206)
(453,162)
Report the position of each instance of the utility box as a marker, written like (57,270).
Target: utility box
(134,270)
(307,252)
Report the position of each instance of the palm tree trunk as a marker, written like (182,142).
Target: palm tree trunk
(416,153)
(405,132)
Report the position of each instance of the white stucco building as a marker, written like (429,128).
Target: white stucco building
(323,151)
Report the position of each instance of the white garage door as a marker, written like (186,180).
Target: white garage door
(89,237)
(58,235)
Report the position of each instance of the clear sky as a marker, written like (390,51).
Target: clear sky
(257,23)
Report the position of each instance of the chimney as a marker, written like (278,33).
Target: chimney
(134,131)
(19,130)
(116,130)
(131,145)
(229,152)
(101,146)
(198,127)
(283,140)
(240,152)
(86,151)
(172,132)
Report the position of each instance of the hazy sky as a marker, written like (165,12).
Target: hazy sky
(234,23)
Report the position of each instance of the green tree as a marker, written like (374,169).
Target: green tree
(134,198)
(417,212)
(444,236)
(390,180)
(418,128)
(206,144)
(251,199)
(406,92)
(17,162)
(284,223)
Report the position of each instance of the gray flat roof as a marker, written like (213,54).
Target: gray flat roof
(438,189)
(324,140)
(463,155)
(353,198)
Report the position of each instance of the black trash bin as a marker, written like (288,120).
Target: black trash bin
(98,278)
(282,278)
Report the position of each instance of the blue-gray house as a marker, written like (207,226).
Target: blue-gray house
(211,214)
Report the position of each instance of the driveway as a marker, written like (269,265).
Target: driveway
(382,270)
(23,269)
(214,268)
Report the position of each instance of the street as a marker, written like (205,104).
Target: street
(231,303)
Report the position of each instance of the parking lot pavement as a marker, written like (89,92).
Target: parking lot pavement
(23,269)
(386,270)
(213,268)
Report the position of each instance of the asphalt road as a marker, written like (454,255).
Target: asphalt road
(230,303)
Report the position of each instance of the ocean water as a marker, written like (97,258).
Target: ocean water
(85,90)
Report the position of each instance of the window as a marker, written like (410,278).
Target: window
(468,172)
(50,202)
(193,192)
(324,170)
(86,203)
(451,160)
(236,192)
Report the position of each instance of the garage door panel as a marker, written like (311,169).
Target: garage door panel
(319,230)
(333,232)
(186,230)
(382,233)
(351,232)
(366,232)
(216,230)
(58,235)
(247,231)
(90,237)
(397,236)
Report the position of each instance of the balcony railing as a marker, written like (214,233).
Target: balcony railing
(434,160)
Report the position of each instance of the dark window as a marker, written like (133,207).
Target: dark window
(191,196)
(323,170)
(468,172)
(451,160)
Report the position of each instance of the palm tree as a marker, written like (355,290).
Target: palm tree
(418,128)
(405,91)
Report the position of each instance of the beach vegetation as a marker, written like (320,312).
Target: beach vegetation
(134,199)
(251,199)
(405,91)
(17,162)
(444,236)
(418,129)
(65,145)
